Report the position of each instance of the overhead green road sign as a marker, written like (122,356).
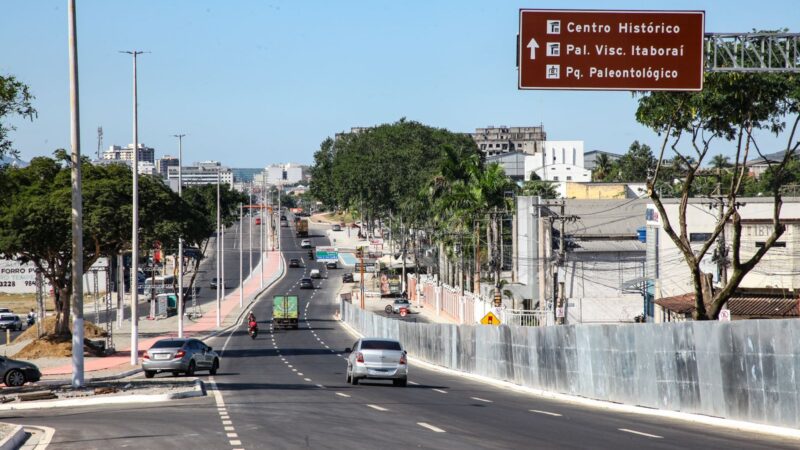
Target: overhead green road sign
(325,254)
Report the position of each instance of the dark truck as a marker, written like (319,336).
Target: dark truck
(284,311)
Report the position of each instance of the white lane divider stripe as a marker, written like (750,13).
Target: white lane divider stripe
(640,433)
(412,383)
(430,427)
(440,391)
(307,379)
(481,399)
(548,413)
(376,407)
(342,395)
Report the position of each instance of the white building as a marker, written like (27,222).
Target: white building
(778,272)
(283,174)
(204,172)
(560,161)
(118,153)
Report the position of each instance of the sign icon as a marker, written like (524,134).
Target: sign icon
(724,315)
(553,27)
(553,71)
(533,46)
(490,319)
(553,49)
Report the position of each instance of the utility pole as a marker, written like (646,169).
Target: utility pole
(77,203)
(722,248)
(261,232)
(135,232)
(180,238)
(558,287)
(241,255)
(250,227)
(219,256)
(279,215)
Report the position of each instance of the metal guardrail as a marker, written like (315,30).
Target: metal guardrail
(527,318)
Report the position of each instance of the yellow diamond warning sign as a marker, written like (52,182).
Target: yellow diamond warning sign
(490,319)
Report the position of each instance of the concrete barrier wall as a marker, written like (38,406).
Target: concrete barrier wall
(745,370)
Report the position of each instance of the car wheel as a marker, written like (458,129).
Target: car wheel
(388,309)
(214,367)
(15,377)
(353,380)
(176,374)
(402,382)
(190,370)
(149,373)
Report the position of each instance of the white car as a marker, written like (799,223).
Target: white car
(305,243)
(377,358)
(315,273)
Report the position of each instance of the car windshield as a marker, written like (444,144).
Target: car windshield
(168,343)
(380,345)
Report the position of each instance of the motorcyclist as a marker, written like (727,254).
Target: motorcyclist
(31,317)
(252,324)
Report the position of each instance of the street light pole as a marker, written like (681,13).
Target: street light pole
(262,204)
(135,226)
(250,228)
(180,238)
(77,203)
(241,255)
(219,276)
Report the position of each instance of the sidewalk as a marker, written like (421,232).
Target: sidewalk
(152,330)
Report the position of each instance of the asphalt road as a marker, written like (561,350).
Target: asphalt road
(286,389)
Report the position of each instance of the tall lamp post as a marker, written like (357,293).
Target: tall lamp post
(241,255)
(77,203)
(135,227)
(261,233)
(180,238)
(219,245)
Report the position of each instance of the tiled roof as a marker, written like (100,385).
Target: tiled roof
(740,305)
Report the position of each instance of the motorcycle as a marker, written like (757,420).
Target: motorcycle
(31,320)
(253,331)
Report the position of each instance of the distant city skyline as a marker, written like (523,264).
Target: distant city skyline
(252,84)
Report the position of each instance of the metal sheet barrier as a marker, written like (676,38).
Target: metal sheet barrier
(744,370)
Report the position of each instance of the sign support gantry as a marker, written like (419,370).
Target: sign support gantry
(752,52)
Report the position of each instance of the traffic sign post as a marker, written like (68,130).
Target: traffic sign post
(490,319)
(611,50)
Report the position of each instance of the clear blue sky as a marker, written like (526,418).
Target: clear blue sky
(259,82)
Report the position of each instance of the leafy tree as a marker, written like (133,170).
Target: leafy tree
(35,219)
(15,99)
(721,162)
(730,107)
(322,186)
(543,189)
(603,168)
(637,164)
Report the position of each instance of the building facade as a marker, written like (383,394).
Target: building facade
(200,173)
(590,158)
(163,164)
(118,153)
(560,161)
(280,174)
(778,271)
(499,140)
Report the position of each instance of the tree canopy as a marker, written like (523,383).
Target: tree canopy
(15,99)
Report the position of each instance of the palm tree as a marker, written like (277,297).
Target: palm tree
(603,165)
(720,162)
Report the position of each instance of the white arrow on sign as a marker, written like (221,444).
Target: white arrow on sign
(533,46)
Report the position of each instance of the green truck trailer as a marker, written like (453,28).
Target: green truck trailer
(284,311)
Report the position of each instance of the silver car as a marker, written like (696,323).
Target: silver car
(379,359)
(179,356)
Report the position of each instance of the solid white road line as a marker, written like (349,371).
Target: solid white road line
(440,391)
(545,412)
(376,407)
(415,384)
(342,395)
(640,433)
(481,399)
(430,427)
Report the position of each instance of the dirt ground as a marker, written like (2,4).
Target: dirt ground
(333,218)
(49,347)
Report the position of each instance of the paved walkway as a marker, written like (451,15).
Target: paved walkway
(152,330)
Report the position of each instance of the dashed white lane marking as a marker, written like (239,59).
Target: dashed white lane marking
(229,429)
(321,386)
(307,379)
(376,407)
(236,442)
(300,374)
(440,391)
(342,395)
(430,427)
(481,399)
(290,366)
(232,435)
(640,433)
(227,422)
(294,370)
(415,384)
(548,413)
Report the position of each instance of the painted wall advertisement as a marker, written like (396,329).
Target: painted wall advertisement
(17,278)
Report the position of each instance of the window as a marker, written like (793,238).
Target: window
(519,144)
(380,345)
(699,237)
(574,155)
(760,244)
(569,178)
(505,146)
(555,178)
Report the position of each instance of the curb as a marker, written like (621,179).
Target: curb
(15,439)
(732,424)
